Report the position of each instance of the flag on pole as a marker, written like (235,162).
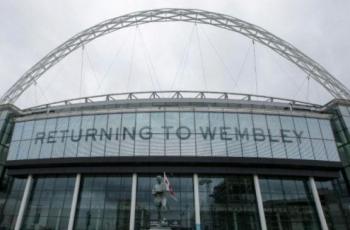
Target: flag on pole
(169,187)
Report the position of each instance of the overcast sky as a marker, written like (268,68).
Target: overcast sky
(163,56)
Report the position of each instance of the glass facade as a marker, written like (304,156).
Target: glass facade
(225,202)
(104,202)
(330,196)
(49,203)
(12,200)
(6,126)
(179,213)
(288,204)
(341,127)
(228,203)
(175,133)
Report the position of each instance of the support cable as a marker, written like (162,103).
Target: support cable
(308,89)
(116,54)
(280,66)
(201,58)
(242,66)
(131,60)
(255,69)
(43,93)
(35,93)
(283,48)
(228,70)
(184,59)
(299,89)
(92,67)
(81,70)
(150,66)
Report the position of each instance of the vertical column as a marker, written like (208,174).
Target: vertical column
(196,202)
(260,203)
(133,201)
(317,201)
(24,202)
(74,202)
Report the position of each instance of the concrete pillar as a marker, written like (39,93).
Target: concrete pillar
(260,203)
(24,202)
(133,201)
(196,202)
(74,202)
(317,201)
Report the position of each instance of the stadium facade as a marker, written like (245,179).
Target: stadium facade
(229,161)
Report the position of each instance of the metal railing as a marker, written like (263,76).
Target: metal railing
(178,95)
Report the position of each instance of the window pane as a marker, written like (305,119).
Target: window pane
(181,208)
(332,151)
(143,134)
(228,202)
(314,128)
(287,122)
(157,122)
(187,120)
(292,148)
(172,144)
(301,126)
(234,147)
(62,132)
(27,130)
(171,121)
(37,142)
(46,207)
(281,208)
(274,125)
(202,121)
(203,134)
(104,202)
(306,149)
(319,149)
(231,121)
(114,124)
(88,135)
(103,135)
(219,134)
(326,129)
(12,155)
(157,145)
(50,138)
(17,133)
(23,150)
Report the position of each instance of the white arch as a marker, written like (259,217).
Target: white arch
(286,50)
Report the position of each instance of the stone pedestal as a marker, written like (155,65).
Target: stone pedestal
(160,228)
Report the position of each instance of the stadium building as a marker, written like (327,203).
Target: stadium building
(223,160)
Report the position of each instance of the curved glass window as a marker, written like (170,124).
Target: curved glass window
(288,204)
(179,211)
(10,207)
(49,203)
(228,202)
(216,134)
(104,202)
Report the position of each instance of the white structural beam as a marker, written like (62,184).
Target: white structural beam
(133,202)
(260,203)
(24,202)
(318,205)
(196,202)
(74,202)
(258,34)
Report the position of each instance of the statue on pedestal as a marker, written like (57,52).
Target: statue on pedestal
(159,192)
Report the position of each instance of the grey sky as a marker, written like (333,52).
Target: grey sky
(129,59)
